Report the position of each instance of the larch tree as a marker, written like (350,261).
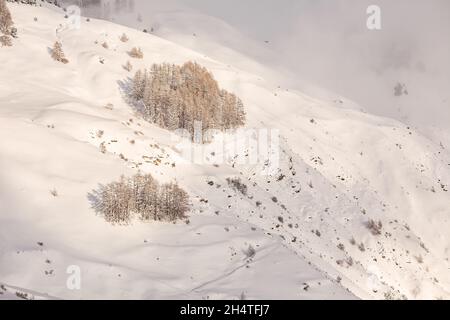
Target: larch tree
(140,196)
(58,53)
(180,202)
(6,21)
(128,66)
(114,202)
(178,97)
(137,90)
(7,31)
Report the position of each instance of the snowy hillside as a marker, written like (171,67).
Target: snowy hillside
(299,232)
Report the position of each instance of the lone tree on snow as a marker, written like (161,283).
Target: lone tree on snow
(58,54)
(6,22)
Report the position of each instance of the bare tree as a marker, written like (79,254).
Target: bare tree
(128,66)
(58,53)
(6,22)
(136,53)
(114,202)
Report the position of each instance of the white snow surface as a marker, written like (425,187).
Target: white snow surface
(338,168)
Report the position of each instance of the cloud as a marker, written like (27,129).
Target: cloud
(329,43)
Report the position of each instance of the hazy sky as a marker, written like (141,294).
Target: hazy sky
(328,42)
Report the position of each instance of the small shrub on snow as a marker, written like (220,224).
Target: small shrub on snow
(237,185)
(102,147)
(124,38)
(100,133)
(5,41)
(128,66)
(374,227)
(136,53)
(250,252)
(361,247)
(349,261)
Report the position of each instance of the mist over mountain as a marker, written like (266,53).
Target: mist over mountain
(325,43)
(200,150)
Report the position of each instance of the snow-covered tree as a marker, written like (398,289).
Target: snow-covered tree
(141,196)
(180,204)
(137,90)
(145,196)
(114,202)
(58,53)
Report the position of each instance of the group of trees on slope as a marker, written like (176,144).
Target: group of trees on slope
(176,97)
(7,31)
(140,196)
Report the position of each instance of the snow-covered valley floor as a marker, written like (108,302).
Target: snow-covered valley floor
(306,220)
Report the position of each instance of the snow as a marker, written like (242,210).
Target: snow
(338,168)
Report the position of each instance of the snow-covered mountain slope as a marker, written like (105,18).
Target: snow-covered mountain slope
(307,219)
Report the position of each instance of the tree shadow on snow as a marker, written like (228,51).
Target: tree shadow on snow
(126,88)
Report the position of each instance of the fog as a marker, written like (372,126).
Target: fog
(325,43)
